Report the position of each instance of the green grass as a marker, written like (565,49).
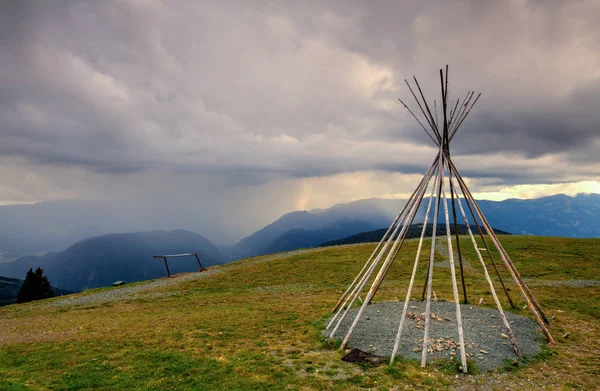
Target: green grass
(257,325)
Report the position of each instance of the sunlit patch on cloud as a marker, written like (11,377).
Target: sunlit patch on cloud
(540,190)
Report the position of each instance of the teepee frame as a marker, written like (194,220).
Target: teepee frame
(441,130)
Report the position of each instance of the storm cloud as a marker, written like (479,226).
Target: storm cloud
(258,92)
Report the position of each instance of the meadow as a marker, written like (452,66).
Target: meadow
(256,324)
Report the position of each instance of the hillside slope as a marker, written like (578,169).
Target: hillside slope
(102,260)
(301,238)
(9,289)
(256,324)
(414,231)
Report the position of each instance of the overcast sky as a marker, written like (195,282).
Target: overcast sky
(251,109)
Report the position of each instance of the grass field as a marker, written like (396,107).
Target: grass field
(256,324)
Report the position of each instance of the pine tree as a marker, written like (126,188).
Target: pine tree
(35,287)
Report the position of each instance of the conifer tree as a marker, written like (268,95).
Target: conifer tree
(35,287)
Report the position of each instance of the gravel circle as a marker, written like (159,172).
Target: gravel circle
(483,328)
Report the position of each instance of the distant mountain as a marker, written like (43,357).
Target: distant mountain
(301,238)
(414,231)
(56,225)
(102,260)
(9,289)
(307,229)
(558,215)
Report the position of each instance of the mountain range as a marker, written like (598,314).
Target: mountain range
(55,225)
(557,215)
(414,231)
(102,260)
(98,258)
(309,229)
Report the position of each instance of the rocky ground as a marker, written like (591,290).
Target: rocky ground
(485,337)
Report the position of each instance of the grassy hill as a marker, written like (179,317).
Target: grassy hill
(256,324)
(414,231)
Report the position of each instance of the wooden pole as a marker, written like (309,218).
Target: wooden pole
(505,259)
(355,293)
(525,286)
(430,269)
(464,117)
(199,263)
(446,89)
(429,121)
(435,128)
(410,111)
(444,111)
(436,114)
(453,113)
(425,285)
(412,277)
(376,288)
(458,113)
(167,266)
(460,260)
(359,287)
(461,112)
(487,248)
(461,339)
(395,253)
(365,267)
(447,152)
(398,217)
(371,292)
(489,280)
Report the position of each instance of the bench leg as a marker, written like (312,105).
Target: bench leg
(167,266)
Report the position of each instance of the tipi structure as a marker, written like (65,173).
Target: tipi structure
(446,183)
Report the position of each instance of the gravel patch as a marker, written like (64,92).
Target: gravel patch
(483,328)
(131,292)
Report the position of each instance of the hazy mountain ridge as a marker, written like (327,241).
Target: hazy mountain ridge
(414,231)
(302,238)
(55,225)
(38,228)
(303,227)
(101,260)
(557,215)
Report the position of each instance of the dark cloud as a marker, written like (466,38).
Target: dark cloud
(264,91)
